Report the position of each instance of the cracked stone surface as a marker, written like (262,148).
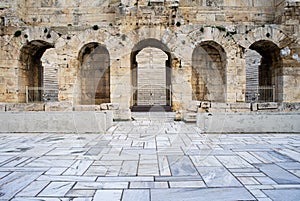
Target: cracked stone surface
(149,159)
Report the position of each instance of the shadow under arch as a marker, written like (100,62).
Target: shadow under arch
(269,79)
(31,71)
(94,74)
(149,43)
(209,72)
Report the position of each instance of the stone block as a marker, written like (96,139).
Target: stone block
(109,118)
(58,106)
(263,122)
(267,106)
(104,106)
(240,106)
(113,106)
(122,114)
(53,122)
(220,105)
(22,107)
(193,106)
(109,106)
(190,117)
(87,108)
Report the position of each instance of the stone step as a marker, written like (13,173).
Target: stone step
(153,116)
(190,117)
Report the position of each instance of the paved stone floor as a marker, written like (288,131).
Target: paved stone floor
(143,160)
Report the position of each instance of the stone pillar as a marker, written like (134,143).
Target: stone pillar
(120,80)
(236,76)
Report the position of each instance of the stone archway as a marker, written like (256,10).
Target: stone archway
(94,75)
(264,61)
(31,72)
(209,72)
(151,75)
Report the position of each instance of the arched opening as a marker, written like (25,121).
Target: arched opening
(263,72)
(32,76)
(151,75)
(94,74)
(209,72)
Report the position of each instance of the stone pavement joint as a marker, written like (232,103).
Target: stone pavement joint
(149,160)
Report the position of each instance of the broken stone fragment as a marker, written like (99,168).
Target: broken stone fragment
(109,106)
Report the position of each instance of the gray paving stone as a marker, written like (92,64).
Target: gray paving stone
(55,189)
(66,178)
(265,180)
(181,166)
(128,179)
(271,157)
(234,162)
(33,189)
(218,177)
(146,184)
(78,168)
(179,178)
(216,194)
(290,165)
(15,182)
(283,194)
(278,174)
(108,195)
(187,184)
(80,193)
(100,185)
(174,157)
(141,195)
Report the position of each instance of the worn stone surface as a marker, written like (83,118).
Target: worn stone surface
(249,122)
(72,122)
(58,106)
(86,107)
(89,51)
(25,107)
(152,158)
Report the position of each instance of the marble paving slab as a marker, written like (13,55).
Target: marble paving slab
(215,194)
(218,177)
(283,194)
(278,174)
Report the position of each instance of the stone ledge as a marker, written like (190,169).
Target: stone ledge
(55,122)
(87,108)
(20,107)
(260,122)
(58,106)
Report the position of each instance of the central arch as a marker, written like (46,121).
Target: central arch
(151,75)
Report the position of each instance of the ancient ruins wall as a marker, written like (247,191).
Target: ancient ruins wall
(67,27)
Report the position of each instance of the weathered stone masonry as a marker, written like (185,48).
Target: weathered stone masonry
(87,52)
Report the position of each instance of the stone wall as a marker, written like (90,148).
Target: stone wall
(51,35)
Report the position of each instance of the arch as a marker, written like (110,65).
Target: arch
(31,71)
(94,75)
(269,73)
(154,45)
(209,72)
